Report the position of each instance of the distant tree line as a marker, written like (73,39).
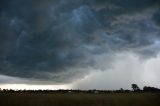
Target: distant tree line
(134,87)
(150,89)
(145,88)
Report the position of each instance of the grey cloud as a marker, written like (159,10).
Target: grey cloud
(59,40)
(127,69)
(156,18)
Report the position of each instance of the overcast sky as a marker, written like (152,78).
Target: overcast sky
(79,44)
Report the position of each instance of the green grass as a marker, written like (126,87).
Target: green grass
(49,99)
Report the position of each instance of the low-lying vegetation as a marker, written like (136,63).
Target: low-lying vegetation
(81,99)
(149,96)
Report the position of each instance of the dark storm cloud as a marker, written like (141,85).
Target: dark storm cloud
(59,39)
(156,17)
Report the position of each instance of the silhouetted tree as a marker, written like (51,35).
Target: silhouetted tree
(135,87)
(121,89)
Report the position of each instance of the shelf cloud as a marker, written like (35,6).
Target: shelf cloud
(61,41)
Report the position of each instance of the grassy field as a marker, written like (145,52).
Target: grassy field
(49,99)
